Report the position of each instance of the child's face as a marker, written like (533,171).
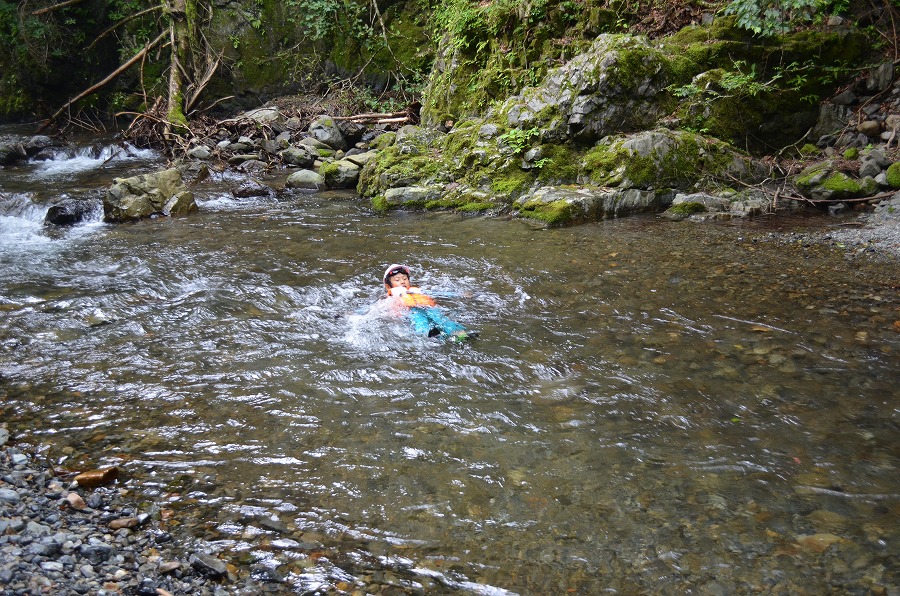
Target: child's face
(399,280)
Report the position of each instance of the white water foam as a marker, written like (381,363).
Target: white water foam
(82,159)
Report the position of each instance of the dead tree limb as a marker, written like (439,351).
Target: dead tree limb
(122,22)
(105,81)
(54,7)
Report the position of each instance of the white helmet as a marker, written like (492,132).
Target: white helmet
(394,270)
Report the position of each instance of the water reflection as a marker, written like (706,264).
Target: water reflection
(651,407)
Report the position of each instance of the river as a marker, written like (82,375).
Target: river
(651,406)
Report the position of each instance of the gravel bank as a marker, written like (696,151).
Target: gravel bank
(57,538)
(879,232)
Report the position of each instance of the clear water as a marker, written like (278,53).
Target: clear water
(651,407)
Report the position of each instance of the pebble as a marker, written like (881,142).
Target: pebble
(56,541)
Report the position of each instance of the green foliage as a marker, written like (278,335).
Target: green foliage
(519,139)
(773,17)
(321,20)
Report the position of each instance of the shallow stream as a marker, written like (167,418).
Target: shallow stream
(651,406)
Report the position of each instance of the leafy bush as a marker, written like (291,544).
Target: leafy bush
(772,17)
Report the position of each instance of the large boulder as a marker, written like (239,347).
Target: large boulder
(823,182)
(557,206)
(617,86)
(665,159)
(325,129)
(134,198)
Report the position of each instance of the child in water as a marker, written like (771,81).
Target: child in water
(426,318)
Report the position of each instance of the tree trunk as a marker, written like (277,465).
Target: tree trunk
(180,31)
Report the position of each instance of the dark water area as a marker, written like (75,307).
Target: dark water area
(651,406)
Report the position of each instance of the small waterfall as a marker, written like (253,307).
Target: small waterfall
(66,161)
(22,219)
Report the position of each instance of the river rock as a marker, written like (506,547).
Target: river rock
(821,182)
(209,565)
(94,478)
(361,159)
(306,180)
(870,128)
(70,212)
(880,78)
(340,174)
(325,129)
(351,131)
(410,195)
(141,196)
(251,188)
(12,149)
(269,116)
(563,205)
(199,152)
(298,156)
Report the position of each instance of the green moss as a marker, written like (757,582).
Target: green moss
(325,152)
(380,204)
(556,213)
(808,149)
(329,169)
(384,140)
(893,175)
(559,164)
(512,183)
(690,159)
(391,167)
(808,175)
(841,183)
(688,208)
(851,153)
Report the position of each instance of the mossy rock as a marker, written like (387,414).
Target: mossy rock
(820,182)
(687,208)
(662,159)
(893,175)
(554,214)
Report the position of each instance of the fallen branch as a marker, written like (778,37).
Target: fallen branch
(372,115)
(827,201)
(54,7)
(102,83)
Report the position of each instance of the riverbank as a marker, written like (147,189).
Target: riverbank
(59,538)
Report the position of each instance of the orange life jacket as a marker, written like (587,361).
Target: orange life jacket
(412,297)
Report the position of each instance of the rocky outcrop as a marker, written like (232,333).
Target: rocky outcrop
(617,85)
(159,193)
(480,169)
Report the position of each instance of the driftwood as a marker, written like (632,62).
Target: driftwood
(883,195)
(410,116)
(109,78)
